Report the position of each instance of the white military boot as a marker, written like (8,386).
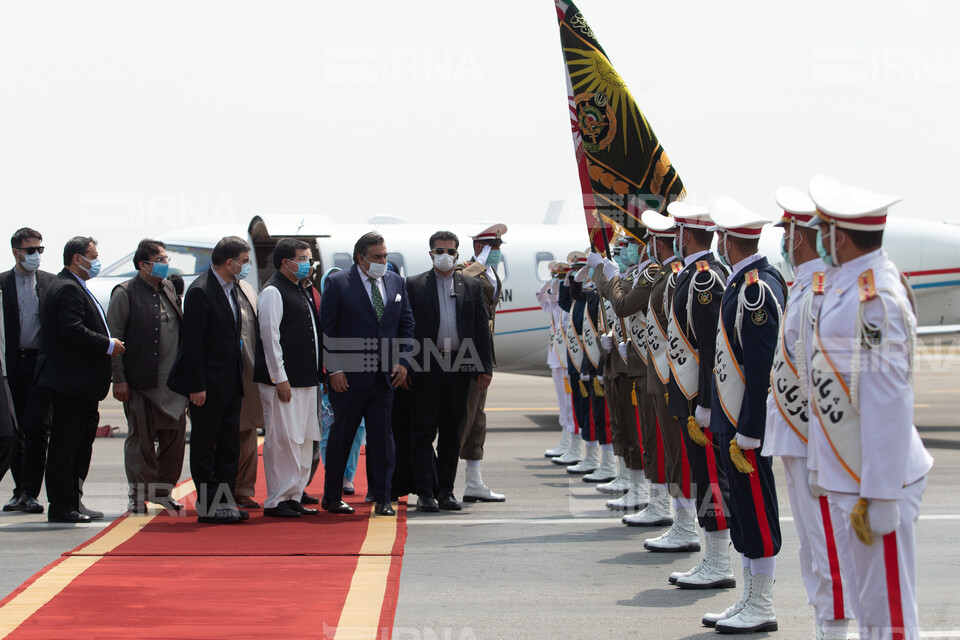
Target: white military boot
(573,453)
(636,497)
(560,449)
(607,470)
(716,574)
(711,619)
(621,483)
(657,513)
(757,613)
(681,537)
(476,491)
(590,461)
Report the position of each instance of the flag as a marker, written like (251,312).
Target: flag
(623,165)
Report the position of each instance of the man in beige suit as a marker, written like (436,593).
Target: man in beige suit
(251,411)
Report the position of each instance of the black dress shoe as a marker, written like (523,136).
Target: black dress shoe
(427,504)
(13,504)
(32,505)
(168,502)
(222,516)
(342,507)
(247,502)
(302,510)
(90,513)
(448,503)
(71,516)
(306,498)
(243,515)
(384,509)
(137,507)
(282,510)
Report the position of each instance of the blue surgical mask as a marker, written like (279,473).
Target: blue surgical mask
(633,253)
(494,258)
(303,270)
(244,272)
(722,254)
(677,249)
(620,263)
(31,261)
(94,268)
(159,269)
(784,251)
(650,254)
(822,251)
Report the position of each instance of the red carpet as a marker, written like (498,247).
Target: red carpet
(264,578)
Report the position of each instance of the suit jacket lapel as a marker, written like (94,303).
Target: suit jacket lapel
(431,285)
(213,286)
(461,292)
(356,279)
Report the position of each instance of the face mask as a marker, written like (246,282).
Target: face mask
(443,262)
(159,269)
(94,268)
(722,250)
(633,253)
(303,270)
(822,251)
(620,263)
(678,248)
(31,261)
(376,270)
(651,255)
(494,258)
(244,272)
(784,252)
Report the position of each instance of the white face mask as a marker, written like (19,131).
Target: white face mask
(31,261)
(376,270)
(443,262)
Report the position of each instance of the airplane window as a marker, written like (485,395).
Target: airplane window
(543,260)
(395,263)
(342,260)
(184,260)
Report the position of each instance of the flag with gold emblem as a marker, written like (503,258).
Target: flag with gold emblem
(627,168)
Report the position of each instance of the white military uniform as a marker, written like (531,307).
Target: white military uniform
(864,442)
(787,431)
(556,354)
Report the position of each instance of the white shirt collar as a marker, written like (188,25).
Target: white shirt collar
(803,274)
(688,260)
(743,264)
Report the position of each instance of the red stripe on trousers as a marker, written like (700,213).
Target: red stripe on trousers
(661,471)
(893,585)
(834,560)
(684,469)
(606,422)
(592,424)
(636,416)
(759,505)
(576,421)
(714,481)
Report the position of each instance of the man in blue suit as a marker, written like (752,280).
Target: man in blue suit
(367,328)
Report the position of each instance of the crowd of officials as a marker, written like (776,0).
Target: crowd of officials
(410,359)
(680,372)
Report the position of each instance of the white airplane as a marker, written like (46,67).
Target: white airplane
(928,253)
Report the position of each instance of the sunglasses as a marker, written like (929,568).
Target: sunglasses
(440,251)
(31,250)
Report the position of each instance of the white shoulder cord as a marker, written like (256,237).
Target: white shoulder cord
(699,288)
(742,304)
(668,293)
(800,346)
(864,338)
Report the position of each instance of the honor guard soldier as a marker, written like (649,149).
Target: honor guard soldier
(572,319)
(548,297)
(788,416)
(746,339)
(868,453)
(682,535)
(691,339)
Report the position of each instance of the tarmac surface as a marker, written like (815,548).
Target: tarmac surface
(552,561)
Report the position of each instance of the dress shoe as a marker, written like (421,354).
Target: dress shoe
(32,505)
(342,507)
(384,509)
(302,510)
(13,504)
(348,488)
(369,498)
(243,515)
(427,504)
(167,502)
(90,513)
(448,503)
(222,516)
(247,502)
(306,498)
(136,506)
(70,516)
(282,510)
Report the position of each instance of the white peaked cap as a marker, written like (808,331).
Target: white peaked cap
(797,206)
(658,225)
(733,218)
(849,207)
(689,215)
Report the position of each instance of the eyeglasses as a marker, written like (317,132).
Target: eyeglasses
(306,259)
(31,250)
(440,251)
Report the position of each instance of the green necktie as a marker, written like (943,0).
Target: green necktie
(377,298)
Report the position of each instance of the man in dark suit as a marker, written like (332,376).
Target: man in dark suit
(208,371)
(24,287)
(367,331)
(74,364)
(452,331)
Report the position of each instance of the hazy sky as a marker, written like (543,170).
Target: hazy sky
(124,119)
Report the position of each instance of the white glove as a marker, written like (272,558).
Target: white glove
(585,378)
(610,269)
(600,379)
(813,481)
(622,348)
(545,287)
(747,443)
(884,516)
(593,259)
(702,416)
(581,275)
(482,258)
(606,342)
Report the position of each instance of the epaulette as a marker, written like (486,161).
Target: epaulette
(676,266)
(703,265)
(752,277)
(818,283)
(647,275)
(865,284)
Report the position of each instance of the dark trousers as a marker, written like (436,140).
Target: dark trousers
(215,453)
(72,432)
(32,406)
(7,446)
(709,480)
(581,408)
(755,530)
(374,406)
(439,401)
(677,466)
(599,414)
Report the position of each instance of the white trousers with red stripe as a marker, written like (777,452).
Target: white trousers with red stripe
(819,564)
(563,401)
(882,577)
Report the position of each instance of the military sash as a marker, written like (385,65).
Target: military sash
(591,343)
(614,321)
(574,346)
(834,408)
(785,385)
(657,344)
(637,325)
(728,376)
(684,359)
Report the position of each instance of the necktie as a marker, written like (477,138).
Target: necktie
(236,303)
(377,298)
